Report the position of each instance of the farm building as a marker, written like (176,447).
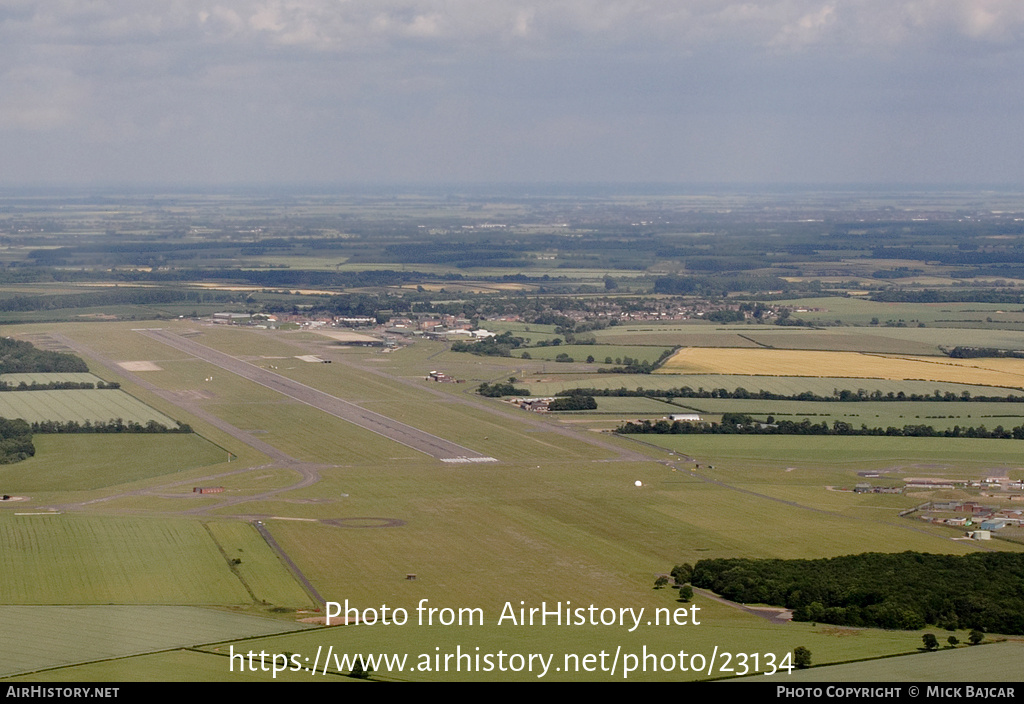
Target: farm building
(442,377)
(533,404)
(685,417)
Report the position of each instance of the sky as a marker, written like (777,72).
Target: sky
(266,92)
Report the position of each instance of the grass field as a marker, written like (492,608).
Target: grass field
(259,569)
(600,353)
(68,559)
(40,637)
(557,519)
(987,663)
(49,377)
(80,406)
(106,460)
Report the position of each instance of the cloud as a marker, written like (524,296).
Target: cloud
(317,88)
(39,99)
(657,25)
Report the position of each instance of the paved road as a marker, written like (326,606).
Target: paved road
(407,435)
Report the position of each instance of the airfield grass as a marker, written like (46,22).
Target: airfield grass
(91,461)
(73,559)
(311,435)
(556,520)
(42,637)
(493,434)
(558,531)
(115,340)
(259,567)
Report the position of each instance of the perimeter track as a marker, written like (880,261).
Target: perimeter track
(374,422)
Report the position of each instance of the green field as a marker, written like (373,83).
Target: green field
(600,353)
(49,377)
(79,406)
(558,518)
(940,415)
(69,559)
(258,567)
(987,663)
(107,459)
(43,637)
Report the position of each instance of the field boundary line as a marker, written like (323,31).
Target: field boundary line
(227,560)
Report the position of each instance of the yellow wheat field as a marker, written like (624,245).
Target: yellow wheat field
(713,360)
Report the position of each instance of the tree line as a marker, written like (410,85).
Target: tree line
(58,385)
(742,424)
(114,425)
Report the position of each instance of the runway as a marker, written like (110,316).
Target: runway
(407,435)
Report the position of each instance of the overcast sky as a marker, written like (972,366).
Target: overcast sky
(304,91)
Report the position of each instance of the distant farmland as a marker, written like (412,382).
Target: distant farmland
(708,360)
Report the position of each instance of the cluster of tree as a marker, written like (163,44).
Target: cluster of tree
(974,352)
(896,591)
(725,316)
(114,425)
(501,389)
(843,395)
(57,385)
(635,366)
(743,424)
(932,643)
(497,346)
(15,441)
(573,403)
(23,357)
